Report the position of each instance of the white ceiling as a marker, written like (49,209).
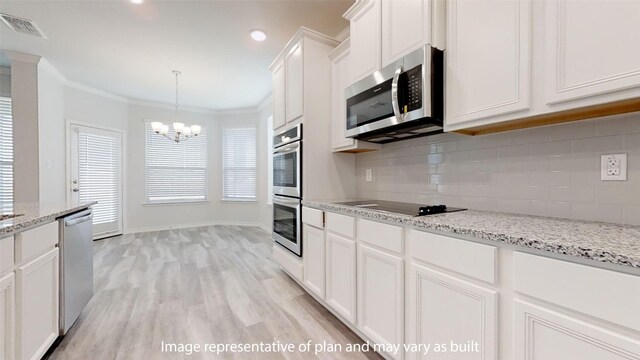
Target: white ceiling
(130,50)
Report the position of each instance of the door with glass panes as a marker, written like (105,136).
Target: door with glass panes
(96,175)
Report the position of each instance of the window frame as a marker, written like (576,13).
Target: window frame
(222,165)
(147,202)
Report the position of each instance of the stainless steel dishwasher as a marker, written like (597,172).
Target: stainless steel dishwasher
(76,266)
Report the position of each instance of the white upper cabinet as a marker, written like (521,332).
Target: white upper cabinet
(406,26)
(364,17)
(294,82)
(279,95)
(339,82)
(488,62)
(591,48)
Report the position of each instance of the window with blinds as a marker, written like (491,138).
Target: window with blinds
(99,177)
(6,155)
(176,172)
(239,163)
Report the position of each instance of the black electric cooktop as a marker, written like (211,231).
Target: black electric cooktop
(402,208)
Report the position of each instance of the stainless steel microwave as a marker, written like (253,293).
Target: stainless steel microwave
(402,100)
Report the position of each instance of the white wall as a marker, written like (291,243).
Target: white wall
(86,107)
(5,81)
(141,217)
(51,133)
(264,154)
(24,91)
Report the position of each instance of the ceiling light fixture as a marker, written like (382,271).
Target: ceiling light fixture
(258,35)
(181,131)
(137,2)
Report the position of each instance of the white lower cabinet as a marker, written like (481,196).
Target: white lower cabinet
(381,297)
(341,276)
(542,333)
(36,306)
(313,258)
(445,311)
(7,321)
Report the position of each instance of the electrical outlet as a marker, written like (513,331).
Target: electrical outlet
(613,167)
(369,175)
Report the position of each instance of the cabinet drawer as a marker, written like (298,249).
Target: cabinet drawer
(465,257)
(341,224)
(605,294)
(36,241)
(6,254)
(313,217)
(388,237)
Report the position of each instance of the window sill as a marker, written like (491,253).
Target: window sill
(185,202)
(239,201)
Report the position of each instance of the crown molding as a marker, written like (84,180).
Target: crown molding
(340,49)
(168,106)
(22,57)
(265,102)
(357,8)
(45,65)
(302,33)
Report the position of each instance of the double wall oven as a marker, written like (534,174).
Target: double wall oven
(287,189)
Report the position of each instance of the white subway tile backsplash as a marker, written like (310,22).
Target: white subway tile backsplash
(548,171)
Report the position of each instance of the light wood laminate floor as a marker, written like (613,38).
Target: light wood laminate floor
(202,285)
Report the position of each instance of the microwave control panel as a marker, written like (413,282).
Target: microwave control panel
(412,82)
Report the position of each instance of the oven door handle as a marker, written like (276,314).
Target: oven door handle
(394,95)
(287,149)
(283,200)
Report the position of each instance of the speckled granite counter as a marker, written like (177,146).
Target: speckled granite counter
(34,214)
(603,242)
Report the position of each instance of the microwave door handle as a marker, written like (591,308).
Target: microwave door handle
(394,95)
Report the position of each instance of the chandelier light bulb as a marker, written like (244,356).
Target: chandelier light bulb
(178,127)
(156,126)
(186,131)
(196,129)
(164,130)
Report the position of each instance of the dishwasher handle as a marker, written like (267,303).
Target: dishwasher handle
(78,218)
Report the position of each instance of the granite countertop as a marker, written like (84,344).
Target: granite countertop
(34,214)
(603,242)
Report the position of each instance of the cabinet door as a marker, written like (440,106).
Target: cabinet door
(341,276)
(295,86)
(339,81)
(488,59)
(279,96)
(443,310)
(542,333)
(380,297)
(313,258)
(591,48)
(406,26)
(365,41)
(7,313)
(36,306)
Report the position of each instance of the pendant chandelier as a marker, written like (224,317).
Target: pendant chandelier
(181,132)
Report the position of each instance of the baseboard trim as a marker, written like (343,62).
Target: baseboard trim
(192,225)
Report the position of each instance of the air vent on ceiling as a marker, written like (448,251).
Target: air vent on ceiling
(25,26)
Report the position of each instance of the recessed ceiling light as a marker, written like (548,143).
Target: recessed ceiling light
(136,1)
(258,35)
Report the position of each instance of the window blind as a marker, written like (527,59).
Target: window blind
(98,177)
(6,155)
(176,172)
(239,163)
